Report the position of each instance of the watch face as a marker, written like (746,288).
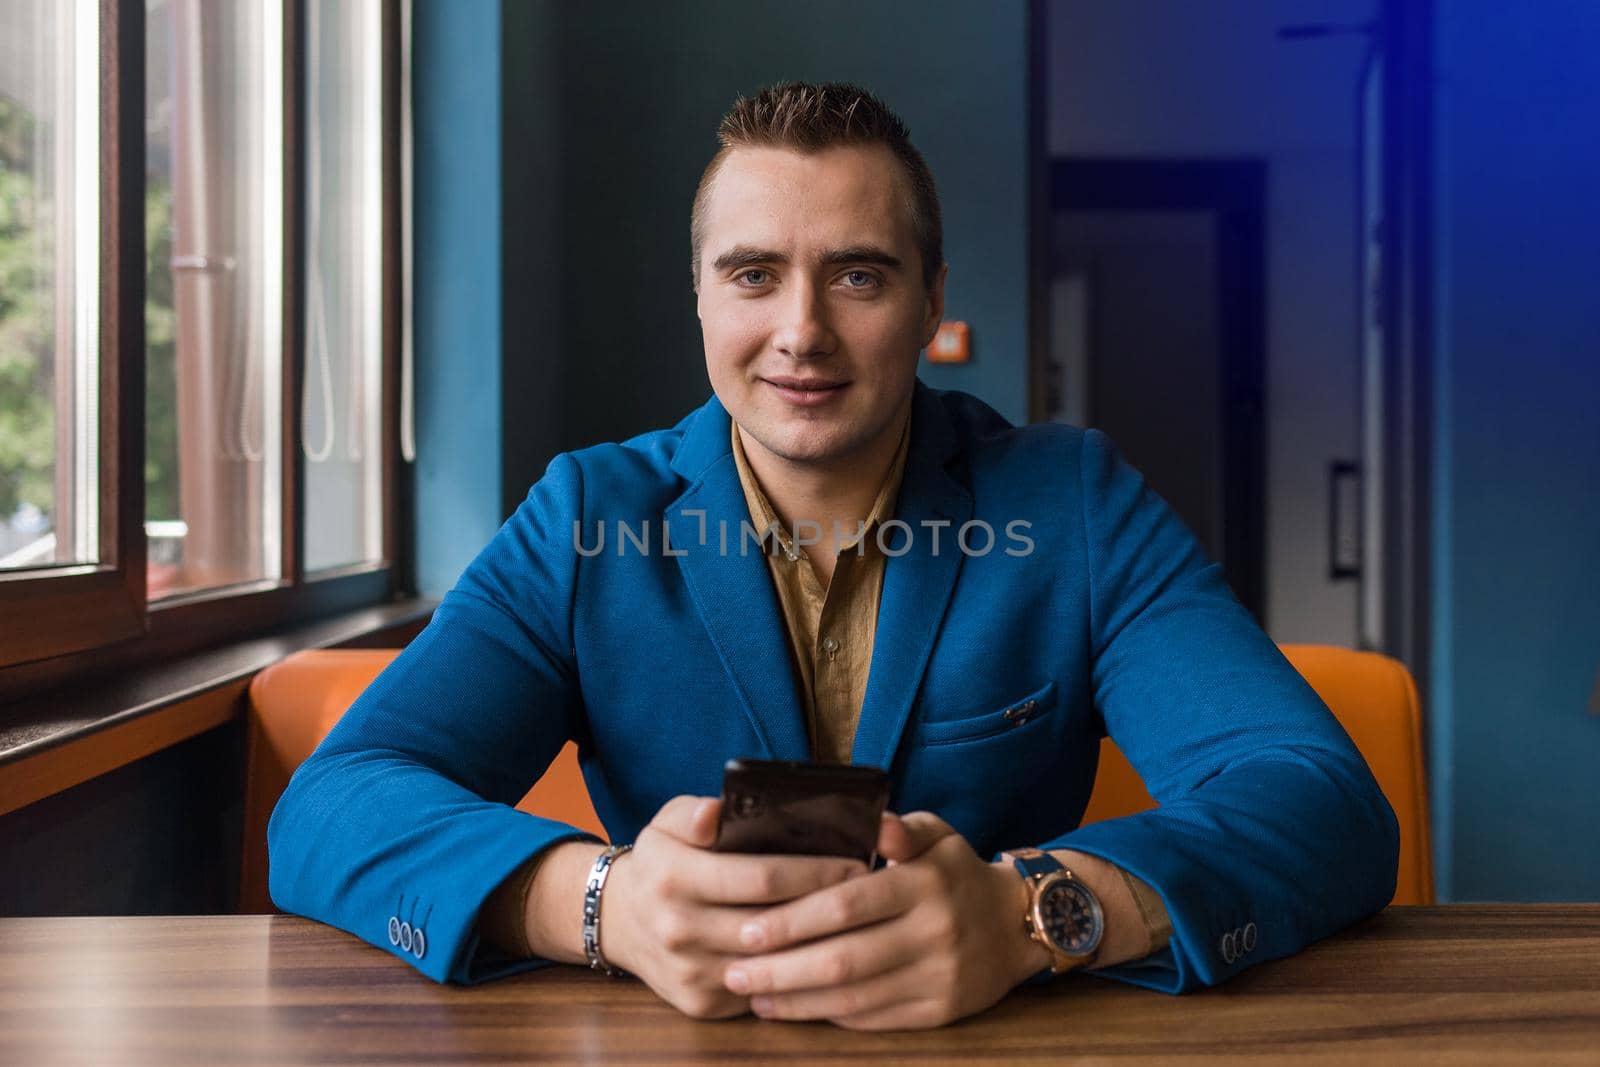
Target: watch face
(1072,918)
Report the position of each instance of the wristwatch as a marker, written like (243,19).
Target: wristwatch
(1063,914)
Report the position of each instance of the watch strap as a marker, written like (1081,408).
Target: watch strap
(1033,862)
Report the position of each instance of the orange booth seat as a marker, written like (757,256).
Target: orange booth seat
(294,703)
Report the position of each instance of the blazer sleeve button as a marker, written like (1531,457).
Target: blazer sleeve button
(394,930)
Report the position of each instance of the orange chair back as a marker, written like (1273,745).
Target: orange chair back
(294,703)
(1375,700)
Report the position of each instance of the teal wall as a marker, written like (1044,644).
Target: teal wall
(557,151)
(644,85)
(456,311)
(1515,756)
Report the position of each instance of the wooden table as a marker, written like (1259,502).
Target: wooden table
(1489,983)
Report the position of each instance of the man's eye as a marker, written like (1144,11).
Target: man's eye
(754,277)
(860,279)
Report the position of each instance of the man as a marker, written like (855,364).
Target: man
(929,590)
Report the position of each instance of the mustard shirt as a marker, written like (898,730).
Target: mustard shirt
(830,629)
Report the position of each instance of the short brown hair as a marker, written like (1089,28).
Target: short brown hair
(809,118)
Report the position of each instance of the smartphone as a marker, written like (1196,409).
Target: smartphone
(785,807)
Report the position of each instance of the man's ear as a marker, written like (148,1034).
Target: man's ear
(935,315)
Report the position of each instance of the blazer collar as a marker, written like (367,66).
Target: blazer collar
(917,585)
(733,594)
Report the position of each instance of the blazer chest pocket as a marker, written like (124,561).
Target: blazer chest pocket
(1006,719)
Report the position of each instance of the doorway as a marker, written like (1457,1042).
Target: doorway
(1156,276)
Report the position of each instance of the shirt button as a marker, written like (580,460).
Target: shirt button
(831,647)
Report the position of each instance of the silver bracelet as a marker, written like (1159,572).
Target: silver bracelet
(591,910)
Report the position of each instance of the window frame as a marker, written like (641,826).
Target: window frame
(92,620)
(62,609)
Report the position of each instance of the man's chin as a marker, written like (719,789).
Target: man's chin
(809,454)
(809,445)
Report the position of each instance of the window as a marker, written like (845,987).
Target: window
(208,444)
(341,425)
(213,196)
(49,278)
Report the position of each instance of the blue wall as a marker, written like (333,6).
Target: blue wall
(456,163)
(1515,755)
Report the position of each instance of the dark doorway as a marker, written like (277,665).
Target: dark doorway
(1157,336)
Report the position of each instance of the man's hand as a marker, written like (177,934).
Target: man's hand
(934,937)
(672,910)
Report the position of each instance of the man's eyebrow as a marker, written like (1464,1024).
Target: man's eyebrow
(861,254)
(750,256)
(746,256)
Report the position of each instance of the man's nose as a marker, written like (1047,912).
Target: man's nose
(803,330)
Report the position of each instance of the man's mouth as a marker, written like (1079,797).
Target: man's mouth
(806,392)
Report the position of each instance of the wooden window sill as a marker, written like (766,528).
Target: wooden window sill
(56,740)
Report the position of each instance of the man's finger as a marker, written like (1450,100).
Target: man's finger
(834,910)
(847,961)
(882,997)
(731,878)
(905,837)
(878,997)
(910,1014)
(690,819)
(709,930)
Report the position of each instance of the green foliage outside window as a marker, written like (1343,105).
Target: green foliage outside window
(27,334)
(27,380)
(160,355)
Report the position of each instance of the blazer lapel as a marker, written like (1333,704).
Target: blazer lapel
(916,585)
(730,587)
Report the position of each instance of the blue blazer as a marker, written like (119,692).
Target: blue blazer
(664,662)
